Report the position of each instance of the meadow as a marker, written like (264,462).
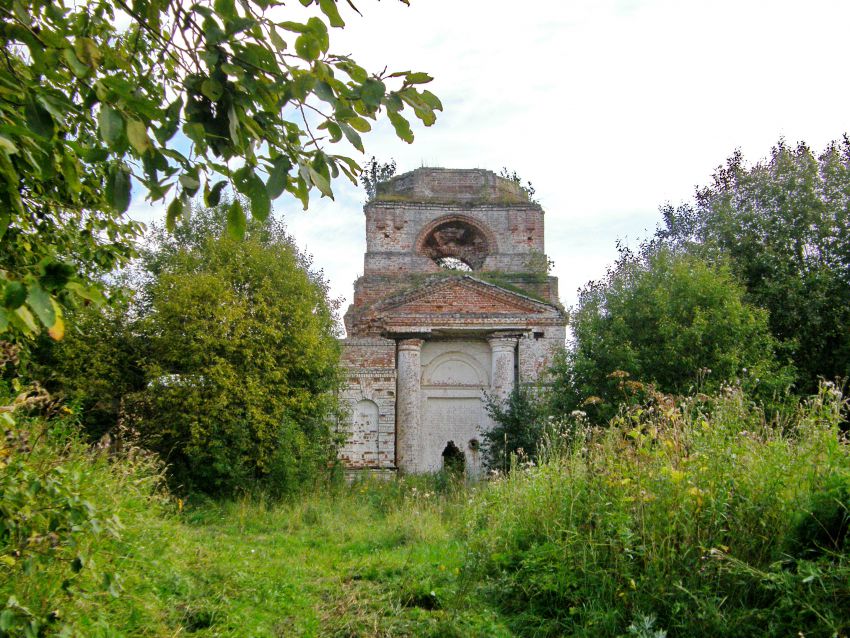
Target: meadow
(684,517)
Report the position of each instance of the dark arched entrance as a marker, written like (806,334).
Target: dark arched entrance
(454,460)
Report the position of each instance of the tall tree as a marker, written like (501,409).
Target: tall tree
(182,98)
(670,320)
(225,363)
(784,225)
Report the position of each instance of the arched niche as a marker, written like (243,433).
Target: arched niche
(364,416)
(456,242)
(455,369)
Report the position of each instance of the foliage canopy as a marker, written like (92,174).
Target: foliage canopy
(225,363)
(90,106)
(666,319)
(783,224)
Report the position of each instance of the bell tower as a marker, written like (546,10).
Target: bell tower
(455,304)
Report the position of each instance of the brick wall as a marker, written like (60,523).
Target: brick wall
(465,214)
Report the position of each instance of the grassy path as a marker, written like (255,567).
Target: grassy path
(359,563)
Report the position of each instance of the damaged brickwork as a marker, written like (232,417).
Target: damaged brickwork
(455,304)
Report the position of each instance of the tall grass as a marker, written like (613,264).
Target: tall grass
(689,517)
(72,521)
(683,517)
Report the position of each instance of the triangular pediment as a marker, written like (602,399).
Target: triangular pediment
(462,296)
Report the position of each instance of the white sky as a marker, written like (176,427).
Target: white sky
(609,107)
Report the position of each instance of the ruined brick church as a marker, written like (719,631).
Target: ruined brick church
(454,304)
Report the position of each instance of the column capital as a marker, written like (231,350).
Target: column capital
(412,343)
(502,341)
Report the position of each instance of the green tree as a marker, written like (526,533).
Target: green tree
(373,174)
(241,365)
(784,226)
(670,320)
(519,424)
(188,98)
(96,365)
(224,362)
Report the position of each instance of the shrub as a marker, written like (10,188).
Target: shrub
(242,364)
(225,362)
(519,425)
(695,512)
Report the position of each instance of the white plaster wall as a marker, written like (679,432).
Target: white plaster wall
(455,376)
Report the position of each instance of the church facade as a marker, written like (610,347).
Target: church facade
(454,305)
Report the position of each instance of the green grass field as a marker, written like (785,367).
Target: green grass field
(369,560)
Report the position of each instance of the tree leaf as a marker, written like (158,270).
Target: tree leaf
(372,92)
(71,172)
(40,303)
(213,196)
(175,209)
(212,88)
(225,8)
(335,131)
(321,182)
(261,204)
(236,222)
(352,136)
(14,295)
(87,52)
(88,293)
(247,183)
(55,274)
(57,330)
(431,100)
(401,126)
(189,181)
(360,124)
(137,134)
(329,8)
(7,146)
(296,27)
(278,42)
(320,32)
(278,176)
(110,125)
(307,47)
(25,316)
(77,68)
(170,122)
(38,119)
(417,78)
(118,187)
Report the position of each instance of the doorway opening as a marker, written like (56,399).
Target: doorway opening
(454,460)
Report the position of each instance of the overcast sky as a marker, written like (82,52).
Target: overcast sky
(609,107)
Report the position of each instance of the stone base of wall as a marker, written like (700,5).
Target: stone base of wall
(352,475)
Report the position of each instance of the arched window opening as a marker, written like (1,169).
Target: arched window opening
(453,263)
(457,245)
